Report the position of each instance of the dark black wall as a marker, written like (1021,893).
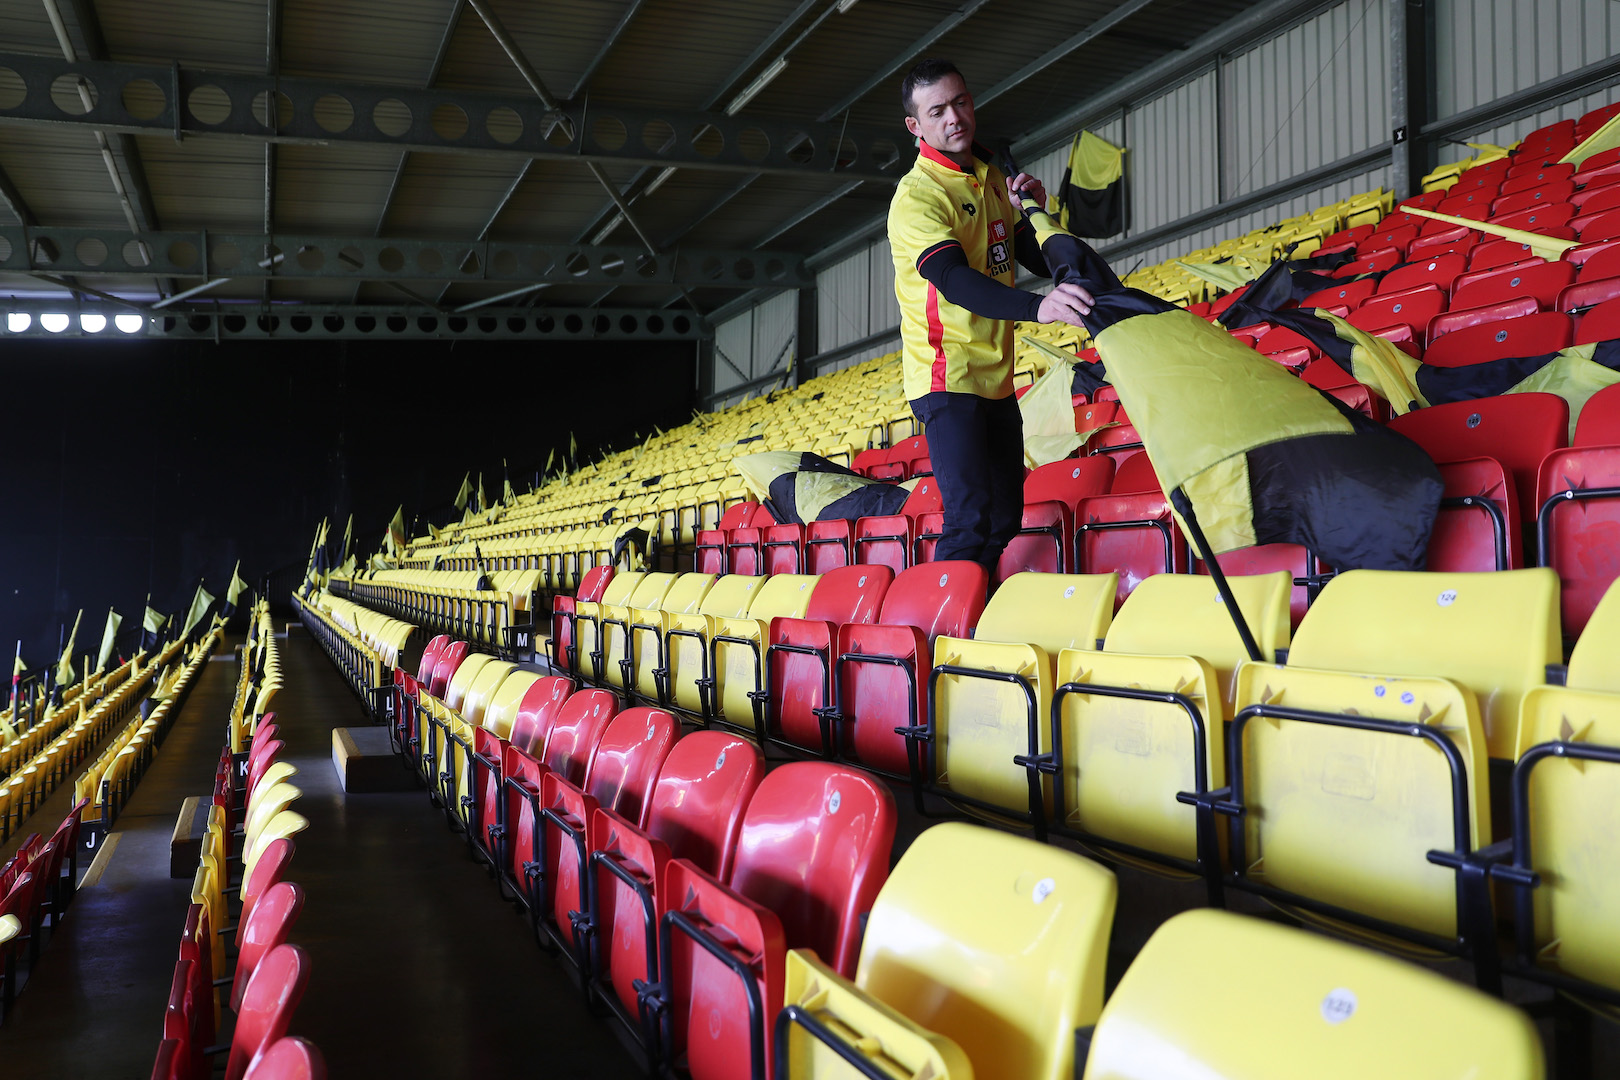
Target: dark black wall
(129,467)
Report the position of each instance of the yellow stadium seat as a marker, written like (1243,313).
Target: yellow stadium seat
(996,941)
(1142,721)
(686,641)
(827,1019)
(990,696)
(649,630)
(588,621)
(616,619)
(1288,1004)
(1565,863)
(1492,633)
(1347,783)
(1592,664)
(483,688)
(503,706)
(737,648)
(286,824)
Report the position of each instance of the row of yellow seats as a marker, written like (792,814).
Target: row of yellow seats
(251,702)
(383,635)
(1134,735)
(29,742)
(984,956)
(61,742)
(111,776)
(678,632)
(373,668)
(450,598)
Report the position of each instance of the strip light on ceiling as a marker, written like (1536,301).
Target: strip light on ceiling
(752,90)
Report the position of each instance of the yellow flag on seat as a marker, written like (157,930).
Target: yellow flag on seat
(109,639)
(64,663)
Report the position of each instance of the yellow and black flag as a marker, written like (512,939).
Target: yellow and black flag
(395,540)
(151,625)
(64,663)
(237,587)
(109,639)
(200,603)
(1091,197)
(801,487)
(463,493)
(1262,456)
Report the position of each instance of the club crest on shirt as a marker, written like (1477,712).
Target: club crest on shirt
(998,230)
(970,208)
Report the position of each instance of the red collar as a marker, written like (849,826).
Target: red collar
(939,158)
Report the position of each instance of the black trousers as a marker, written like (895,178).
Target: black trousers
(977,449)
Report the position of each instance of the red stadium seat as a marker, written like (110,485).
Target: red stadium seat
(1529,177)
(1554,192)
(1052,493)
(783,547)
(1117,442)
(1599,421)
(1284,338)
(1495,254)
(881,676)
(1135,473)
(267,928)
(745,552)
(1439,271)
(1578,527)
(430,656)
(270,869)
(288,1058)
(620,778)
(449,659)
(1469,202)
(1603,225)
(268,1003)
(563,647)
(1353,235)
(1428,200)
(1541,281)
(1414,307)
(1493,315)
(887,540)
(1350,293)
(1478,527)
(1456,240)
(799,658)
(813,851)
(1585,295)
(1370,262)
(1541,218)
(695,813)
(1388,235)
(828,545)
(1132,534)
(521,777)
(538,711)
(1594,200)
(863,461)
(571,743)
(1529,335)
(1594,261)
(1517,430)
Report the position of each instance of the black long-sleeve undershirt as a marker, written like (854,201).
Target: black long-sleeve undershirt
(945,266)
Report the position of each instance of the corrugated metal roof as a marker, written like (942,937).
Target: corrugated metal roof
(680,55)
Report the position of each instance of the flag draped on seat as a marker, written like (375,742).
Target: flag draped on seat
(803,487)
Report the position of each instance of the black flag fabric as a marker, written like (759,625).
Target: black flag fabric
(1091,196)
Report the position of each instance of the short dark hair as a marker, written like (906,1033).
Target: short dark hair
(924,73)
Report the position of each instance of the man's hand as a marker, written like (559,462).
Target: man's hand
(1026,185)
(1066,303)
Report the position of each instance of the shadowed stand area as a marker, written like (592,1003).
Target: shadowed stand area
(414,971)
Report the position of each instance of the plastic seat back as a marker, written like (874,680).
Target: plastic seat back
(574,734)
(703,788)
(1008,960)
(267,927)
(538,710)
(483,689)
(1529,335)
(627,761)
(1579,530)
(502,712)
(1543,281)
(1133,535)
(1591,665)
(1493,634)
(1439,271)
(450,659)
(849,594)
(269,870)
(467,673)
(268,1004)
(1050,611)
(1135,473)
(1297,1003)
(430,657)
(1516,429)
(288,1058)
(814,848)
(593,583)
(1468,536)
(1599,421)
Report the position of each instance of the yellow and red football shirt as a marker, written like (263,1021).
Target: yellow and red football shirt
(937,205)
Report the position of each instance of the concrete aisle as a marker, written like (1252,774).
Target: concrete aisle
(418,968)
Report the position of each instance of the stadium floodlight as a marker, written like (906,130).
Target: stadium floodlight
(129,324)
(845,5)
(92,322)
(54,321)
(761,81)
(18,321)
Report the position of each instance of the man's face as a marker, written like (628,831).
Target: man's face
(944,116)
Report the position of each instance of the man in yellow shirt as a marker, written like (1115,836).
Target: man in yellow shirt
(954,230)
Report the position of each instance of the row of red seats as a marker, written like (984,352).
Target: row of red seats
(269,976)
(653,859)
(37,884)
